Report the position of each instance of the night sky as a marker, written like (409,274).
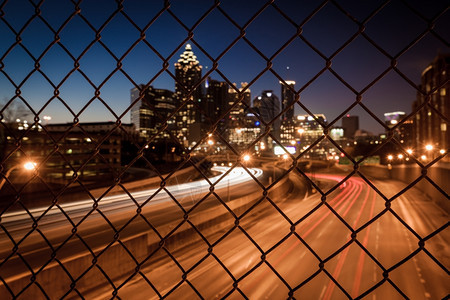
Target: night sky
(392,29)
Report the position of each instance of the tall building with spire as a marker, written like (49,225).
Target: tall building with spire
(188,74)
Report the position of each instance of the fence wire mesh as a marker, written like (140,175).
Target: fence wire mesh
(208,240)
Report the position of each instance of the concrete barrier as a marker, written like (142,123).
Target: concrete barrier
(439,174)
(56,283)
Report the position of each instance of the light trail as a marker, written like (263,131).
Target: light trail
(344,253)
(20,220)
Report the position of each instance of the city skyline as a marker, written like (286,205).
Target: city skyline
(358,64)
(163,154)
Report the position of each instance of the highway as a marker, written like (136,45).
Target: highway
(290,263)
(237,176)
(98,225)
(277,247)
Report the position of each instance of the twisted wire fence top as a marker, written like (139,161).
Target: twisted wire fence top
(77,61)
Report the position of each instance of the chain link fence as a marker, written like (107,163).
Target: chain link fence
(265,227)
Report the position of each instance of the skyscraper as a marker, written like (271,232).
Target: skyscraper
(430,127)
(268,110)
(216,98)
(287,99)
(287,129)
(243,99)
(188,74)
(150,113)
(350,124)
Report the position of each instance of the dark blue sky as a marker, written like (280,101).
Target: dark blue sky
(393,29)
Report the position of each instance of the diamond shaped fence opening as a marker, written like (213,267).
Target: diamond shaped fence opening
(176,149)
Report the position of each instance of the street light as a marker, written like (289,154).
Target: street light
(29,166)
(390,157)
(429,147)
(246,157)
(409,151)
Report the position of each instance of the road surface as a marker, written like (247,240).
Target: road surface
(291,260)
(289,243)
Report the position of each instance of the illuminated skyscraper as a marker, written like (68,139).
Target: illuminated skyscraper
(242,99)
(430,127)
(150,113)
(188,74)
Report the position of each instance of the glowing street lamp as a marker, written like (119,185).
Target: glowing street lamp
(429,147)
(442,151)
(409,151)
(390,157)
(210,142)
(423,157)
(400,156)
(246,157)
(29,166)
